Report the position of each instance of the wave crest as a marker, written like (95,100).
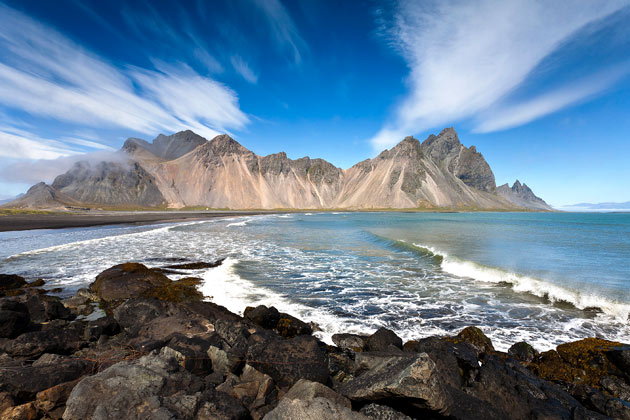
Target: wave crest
(526,284)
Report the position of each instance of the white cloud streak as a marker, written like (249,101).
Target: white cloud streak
(524,112)
(466,57)
(243,69)
(16,146)
(44,73)
(47,169)
(282,27)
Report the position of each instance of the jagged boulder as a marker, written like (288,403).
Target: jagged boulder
(382,339)
(154,386)
(14,318)
(350,341)
(413,377)
(288,361)
(24,383)
(284,324)
(54,338)
(382,412)
(312,400)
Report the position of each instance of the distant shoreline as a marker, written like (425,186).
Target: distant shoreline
(26,221)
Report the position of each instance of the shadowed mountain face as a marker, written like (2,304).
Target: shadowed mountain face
(521,195)
(186,170)
(110,183)
(43,196)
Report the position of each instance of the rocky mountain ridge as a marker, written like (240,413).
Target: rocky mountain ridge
(186,170)
(521,195)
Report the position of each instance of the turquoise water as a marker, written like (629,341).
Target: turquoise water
(544,278)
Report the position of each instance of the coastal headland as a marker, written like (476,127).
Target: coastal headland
(137,345)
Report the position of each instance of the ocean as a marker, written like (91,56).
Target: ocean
(545,278)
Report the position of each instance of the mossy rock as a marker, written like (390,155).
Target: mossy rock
(581,362)
(523,352)
(289,326)
(177,291)
(476,338)
(125,281)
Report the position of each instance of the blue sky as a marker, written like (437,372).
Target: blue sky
(541,88)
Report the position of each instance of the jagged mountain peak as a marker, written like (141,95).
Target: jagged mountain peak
(443,145)
(167,147)
(522,195)
(224,144)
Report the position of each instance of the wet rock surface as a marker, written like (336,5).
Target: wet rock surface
(160,351)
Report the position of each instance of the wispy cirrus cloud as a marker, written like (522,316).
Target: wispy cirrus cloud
(18,144)
(465,58)
(282,27)
(44,73)
(243,69)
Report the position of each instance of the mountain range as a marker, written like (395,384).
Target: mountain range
(186,170)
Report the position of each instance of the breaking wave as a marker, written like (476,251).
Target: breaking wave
(525,284)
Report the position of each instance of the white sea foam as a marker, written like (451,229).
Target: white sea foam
(521,283)
(223,286)
(243,223)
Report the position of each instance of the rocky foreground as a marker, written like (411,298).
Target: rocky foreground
(136,345)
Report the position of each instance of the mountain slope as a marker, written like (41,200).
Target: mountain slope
(110,183)
(521,195)
(429,175)
(43,196)
(224,174)
(186,170)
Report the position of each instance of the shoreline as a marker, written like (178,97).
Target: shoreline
(27,221)
(32,220)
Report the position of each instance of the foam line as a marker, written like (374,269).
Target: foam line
(96,240)
(521,283)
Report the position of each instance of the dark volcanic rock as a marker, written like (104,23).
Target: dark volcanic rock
(154,386)
(284,324)
(311,400)
(523,352)
(60,339)
(196,265)
(263,316)
(350,341)
(155,321)
(288,361)
(25,382)
(43,308)
(14,318)
(254,389)
(382,412)
(124,281)
(11,281)
(382,339)
(476,338)
(413,377)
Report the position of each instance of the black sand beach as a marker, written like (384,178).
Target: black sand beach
(25,221)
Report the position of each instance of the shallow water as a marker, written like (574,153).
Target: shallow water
(543,278)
